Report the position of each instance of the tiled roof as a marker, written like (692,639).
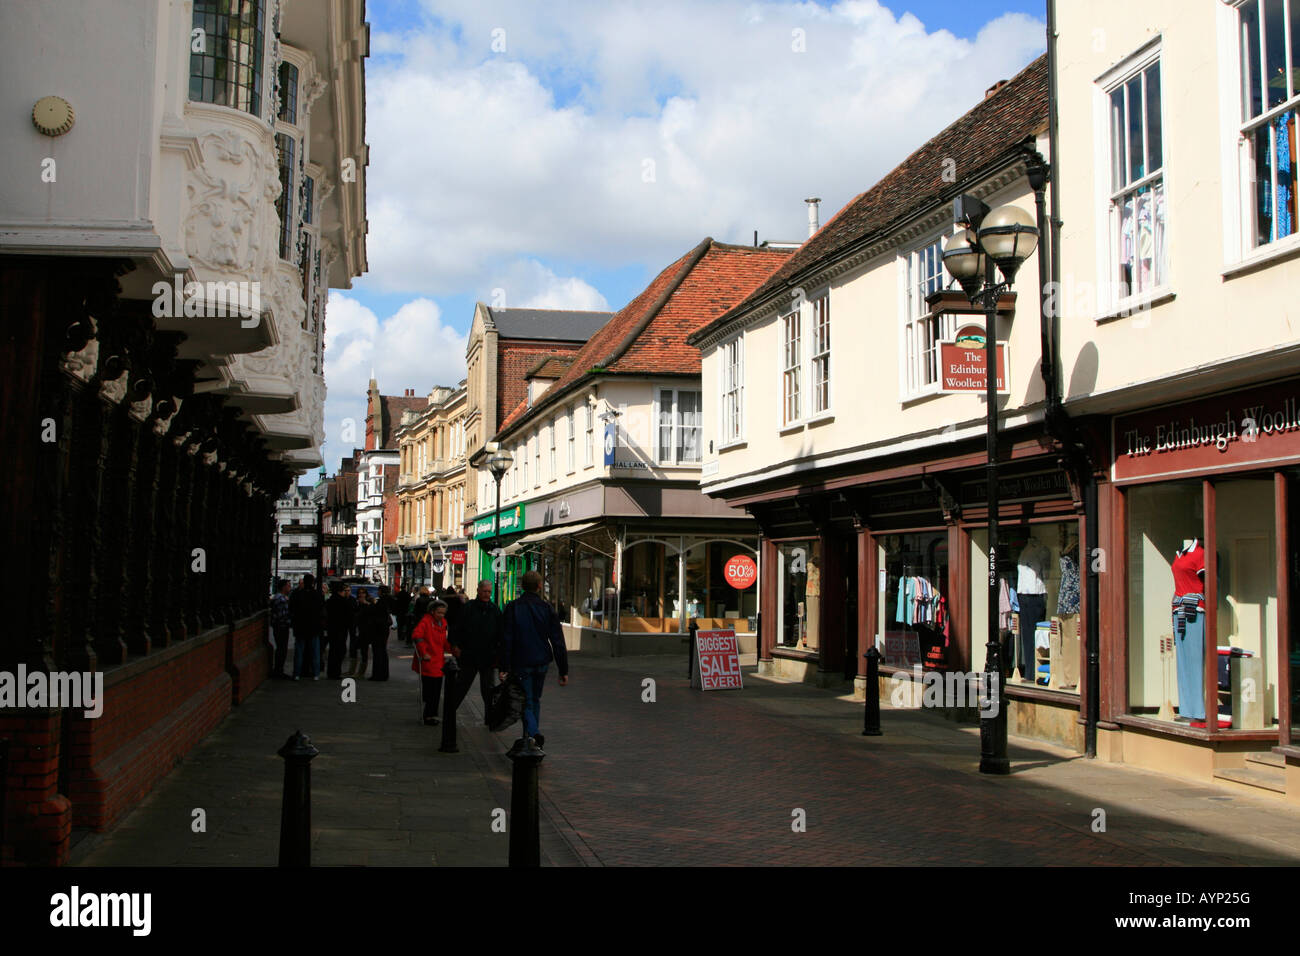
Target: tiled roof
(976,142)
(552,366)
(564,324)
(391,409)
(648,335)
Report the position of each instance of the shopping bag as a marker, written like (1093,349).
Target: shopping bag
(506,705)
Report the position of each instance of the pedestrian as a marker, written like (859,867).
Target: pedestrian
(401,605)
(374,628)
(306,615)
(359,650)
(531,639)
(476,642)
(430,640)
(354,637)
(449,598)
(338,625)
(411,618)
(280,624)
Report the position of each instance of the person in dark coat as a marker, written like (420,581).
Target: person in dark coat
(281,621)
(401,605)
(373,625)
(306,615)
(476,642)
(338,625)
(531,639)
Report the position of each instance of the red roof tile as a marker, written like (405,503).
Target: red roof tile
(648,335)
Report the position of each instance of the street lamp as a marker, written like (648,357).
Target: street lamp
(499,463)
(1004,237)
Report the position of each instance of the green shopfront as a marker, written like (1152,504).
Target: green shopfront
(509,567)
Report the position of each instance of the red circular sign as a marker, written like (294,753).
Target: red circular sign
(741,572)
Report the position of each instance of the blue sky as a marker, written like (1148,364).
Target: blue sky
(561,154)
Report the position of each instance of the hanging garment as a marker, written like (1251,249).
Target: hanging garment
(901,616)
(1004,605)
(941,618)
(1067,599)
(1189,572)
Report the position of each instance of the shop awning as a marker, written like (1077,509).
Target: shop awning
(537,536)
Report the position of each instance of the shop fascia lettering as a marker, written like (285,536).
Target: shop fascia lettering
(1178,434)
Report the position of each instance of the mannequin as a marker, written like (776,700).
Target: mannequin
(1031,590)
(1189,629)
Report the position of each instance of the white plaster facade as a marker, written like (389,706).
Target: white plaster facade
(185,191)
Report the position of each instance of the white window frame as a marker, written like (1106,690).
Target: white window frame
(554,472)
(571,424)
(675,425)
(790,362)
(536,443)
(1238,153)
(820,351)
(918,329)
(591,435)
(731,379)
(1114,298)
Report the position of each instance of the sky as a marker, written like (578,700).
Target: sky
(560,154)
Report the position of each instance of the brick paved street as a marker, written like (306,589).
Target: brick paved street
(688,780)
(713,779)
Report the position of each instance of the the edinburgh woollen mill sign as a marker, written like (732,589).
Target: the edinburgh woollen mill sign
(963,365)
(717,659)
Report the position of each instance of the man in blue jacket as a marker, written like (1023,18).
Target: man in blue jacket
(532,639)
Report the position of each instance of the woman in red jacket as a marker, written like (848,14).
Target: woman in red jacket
(430,639)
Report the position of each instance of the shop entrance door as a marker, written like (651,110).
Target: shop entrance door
(1290,715)
(850,566)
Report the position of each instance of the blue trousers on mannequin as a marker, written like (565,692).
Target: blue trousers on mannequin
(1033,608)
(1190,647)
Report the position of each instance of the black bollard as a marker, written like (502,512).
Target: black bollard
(295,808)
(690,658)
(525,835)
(450,680)
(871,705)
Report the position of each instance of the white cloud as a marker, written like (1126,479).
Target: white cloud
(479,158)
(412,348)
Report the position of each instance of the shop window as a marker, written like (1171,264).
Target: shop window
(596,602)
(645,598)
(799,594)
(1040,587)
(1245,538)
(711,601)
(912,620)
(1166,668)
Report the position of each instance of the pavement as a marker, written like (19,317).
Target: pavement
(775,774)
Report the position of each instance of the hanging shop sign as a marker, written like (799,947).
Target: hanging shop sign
(1046,484)
(439,565)
(717,660)
(457,557)
(1241,429)
(740,572)
(963,363)
(338,540)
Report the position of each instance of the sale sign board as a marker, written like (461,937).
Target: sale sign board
(717,660)
(741,572)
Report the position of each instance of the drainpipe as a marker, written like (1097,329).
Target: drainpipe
(1056,420)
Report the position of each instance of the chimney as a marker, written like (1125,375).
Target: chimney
(994,88)
(813,223)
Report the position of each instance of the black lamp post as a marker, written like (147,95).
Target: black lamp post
(1004,237)
(499,463)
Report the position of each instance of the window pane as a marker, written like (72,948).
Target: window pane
(1262,140)
(1275,51)
(1136,169)
(1251,96)
(690,426)
(665,425)
(1155,157)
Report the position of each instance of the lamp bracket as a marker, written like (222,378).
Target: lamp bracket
(969,210)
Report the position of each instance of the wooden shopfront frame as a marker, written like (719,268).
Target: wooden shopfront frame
(1138,461)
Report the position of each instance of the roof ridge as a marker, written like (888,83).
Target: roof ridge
(692,259)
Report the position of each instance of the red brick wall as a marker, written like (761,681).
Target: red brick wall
(38,820)
(514,360)
(155,710)
(391,529)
